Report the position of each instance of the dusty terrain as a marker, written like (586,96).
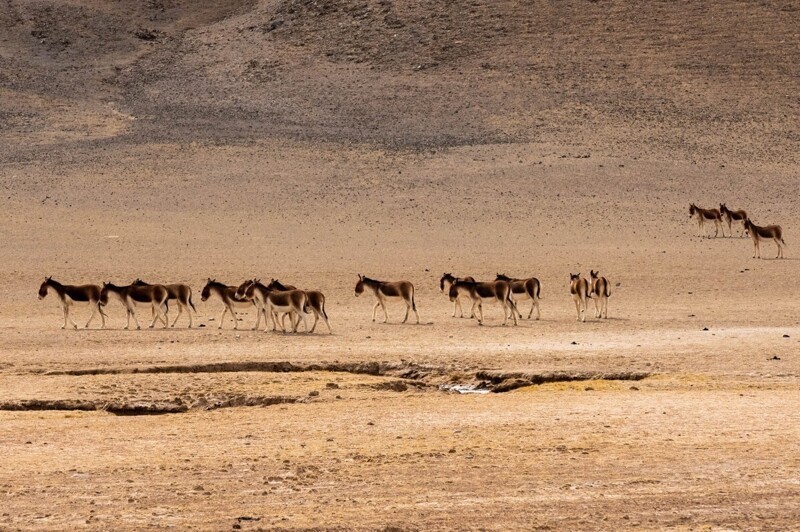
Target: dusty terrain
(314,140)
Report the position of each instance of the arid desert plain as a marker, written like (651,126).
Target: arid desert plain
(315,140)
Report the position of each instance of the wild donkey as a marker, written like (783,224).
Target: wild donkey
(706,214)
(599,288)
(446,282)
(383,290)
(69,295)
(491,291)
(758,233)
(579,288)
(131,295)
(522,289)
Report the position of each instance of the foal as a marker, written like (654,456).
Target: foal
(68,295)
(491,291)
(228,296)
(446,282)
(599,288)
(758,233)
(316,300)
(529,288)
(155,295)
(579,288)
(383,290)
(706,214)
(732,216)
(182,293)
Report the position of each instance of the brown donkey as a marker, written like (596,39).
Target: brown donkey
(579,288)
(228,296)
(732,216)
(599,288)
(274,302)
(522,289)
(491,291)
(316,300)
(446,282)
(758,233)
(383,290)
(69,295)
(131,295)
(706,214)
(181,293)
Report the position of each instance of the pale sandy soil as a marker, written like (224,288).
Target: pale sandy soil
(181,160)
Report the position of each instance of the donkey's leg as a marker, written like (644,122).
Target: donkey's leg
(258,318)
(408,309)
(780,249)
(235,319)
(180,311)
(575,300)
(316,319)
(385,313)
(375,309)
(74,325)
(94,311)
(457,305)
(156,314)
(103,316)
(133,313)
(596,306)
(222,318)
(65,311)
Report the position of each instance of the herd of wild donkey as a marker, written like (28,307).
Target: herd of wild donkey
(275,301)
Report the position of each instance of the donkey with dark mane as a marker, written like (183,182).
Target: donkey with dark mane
(228,296)
(522,289)
(579,288)
(732,216)
(499,291)
(132,295)
(181,293)
(316,300)
(384,290)
(767,232)
(69,295)
(274,302)
(706,214)
(599,288)
(446,282)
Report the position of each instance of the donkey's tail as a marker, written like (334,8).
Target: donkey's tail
(192,304)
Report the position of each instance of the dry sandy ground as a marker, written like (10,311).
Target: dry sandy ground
(528,142)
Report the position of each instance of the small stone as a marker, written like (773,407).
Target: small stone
(786,336)
(705,328)
(313,393)
(332,386)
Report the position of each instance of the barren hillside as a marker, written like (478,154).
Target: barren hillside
(701,81)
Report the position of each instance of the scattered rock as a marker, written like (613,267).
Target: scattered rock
(313,393)
(774,357)
(705,328)
(332,386)
(786,336)
(395,386)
